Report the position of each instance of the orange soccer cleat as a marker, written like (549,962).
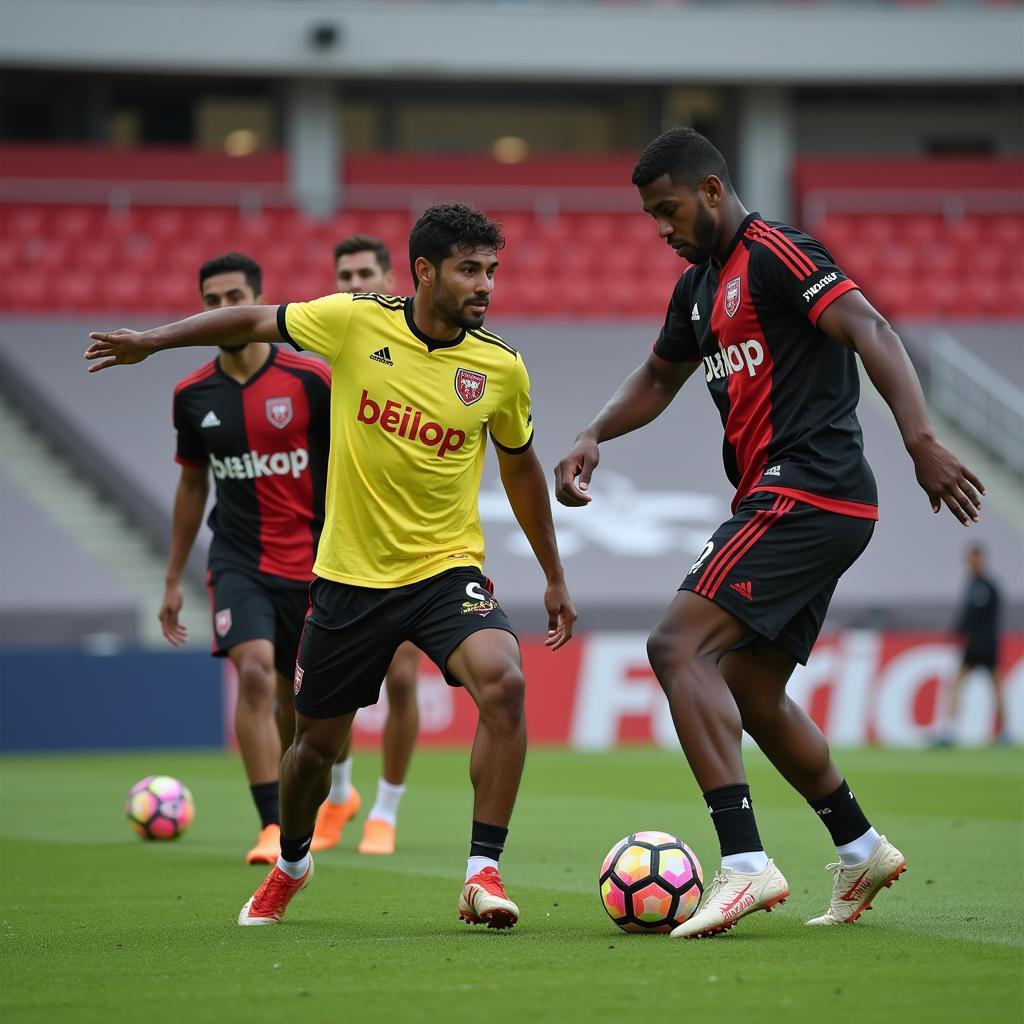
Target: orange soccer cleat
(269,902)
(483,901)
(332,819)
(267,848)
(378,837)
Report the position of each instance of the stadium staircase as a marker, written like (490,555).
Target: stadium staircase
(74,503)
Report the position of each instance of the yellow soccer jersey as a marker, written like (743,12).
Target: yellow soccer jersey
(408,421)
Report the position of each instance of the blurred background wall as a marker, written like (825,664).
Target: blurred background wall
(139,138)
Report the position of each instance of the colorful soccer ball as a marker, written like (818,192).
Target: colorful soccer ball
(159,807)
(650,882)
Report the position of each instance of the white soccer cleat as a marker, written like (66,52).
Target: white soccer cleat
(855,887)
(483,901)
(732,896)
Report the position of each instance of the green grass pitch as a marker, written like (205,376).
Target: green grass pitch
(97,925)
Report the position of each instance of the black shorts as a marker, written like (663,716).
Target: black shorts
(255,606)
(775,566)
(352,634)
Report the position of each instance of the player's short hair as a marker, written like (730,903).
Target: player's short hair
(233,261)
(364,243)
(448,226)
(685,155)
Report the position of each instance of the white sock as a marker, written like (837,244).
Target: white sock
(341,781)
(859,850)
(475,864)
(385,807)
(294,869)
(749,863)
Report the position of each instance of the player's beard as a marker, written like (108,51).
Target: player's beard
(234,348)
(453,309)
(705,234)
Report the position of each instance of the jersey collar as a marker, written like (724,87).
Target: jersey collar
(267,363)
(747,221)
(431,343)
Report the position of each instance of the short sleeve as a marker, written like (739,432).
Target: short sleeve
(511,423)
(795,269)
(318,326)
(677,342)
(191,449)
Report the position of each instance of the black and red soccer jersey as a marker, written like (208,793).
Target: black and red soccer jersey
(786,392)
(266,442)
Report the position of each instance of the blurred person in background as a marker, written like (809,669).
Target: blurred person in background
(774,326)
(978,627)
(362,263)
(419,385)
(259,418)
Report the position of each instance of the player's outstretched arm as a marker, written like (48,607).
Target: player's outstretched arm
(233,325)
(522,476)
(641,397)
(189,506)
(852,321)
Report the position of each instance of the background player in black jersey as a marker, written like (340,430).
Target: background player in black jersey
(259,568)
(774,324)
(977,625)
(362,263)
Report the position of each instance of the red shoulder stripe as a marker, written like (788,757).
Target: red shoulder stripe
(799,257)
(195,378)
(297,362)
(783,258)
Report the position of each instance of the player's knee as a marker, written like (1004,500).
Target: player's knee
(257,685)
(401,687)
(312,755)
(502,696)
(673,654)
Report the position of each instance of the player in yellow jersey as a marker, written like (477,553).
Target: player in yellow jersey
(362,263)
(418,386)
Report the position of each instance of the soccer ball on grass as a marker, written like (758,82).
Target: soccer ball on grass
(159,807)
(650,882)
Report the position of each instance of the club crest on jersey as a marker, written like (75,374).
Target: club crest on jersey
(222,622)
(279,412)
(469,385)
(732,297)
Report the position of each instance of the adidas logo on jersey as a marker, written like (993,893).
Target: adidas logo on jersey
(210,420)
(382,355)
(406,422)
(695,315)
(252,465)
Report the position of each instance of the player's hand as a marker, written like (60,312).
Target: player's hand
(561,615)
(946,480)
(578,465)
(170,608)
(117,348)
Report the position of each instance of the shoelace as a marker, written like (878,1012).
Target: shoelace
(716,887)
(491,883)
(835,869)
(275,888)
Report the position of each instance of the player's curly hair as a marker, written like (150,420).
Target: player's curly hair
(448,226)
(685,155)
(234,261)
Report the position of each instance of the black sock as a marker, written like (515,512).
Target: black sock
(732,814)
(841,815)
(267,798)
(487,840)
(293,850)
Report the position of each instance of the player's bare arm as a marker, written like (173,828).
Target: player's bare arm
(189,506)
(233,325)
(852,321)
(641,397)
(522,476)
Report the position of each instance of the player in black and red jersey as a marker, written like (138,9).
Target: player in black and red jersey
(258,417)
(775,325)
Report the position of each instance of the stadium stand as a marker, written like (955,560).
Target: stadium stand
(88,601)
